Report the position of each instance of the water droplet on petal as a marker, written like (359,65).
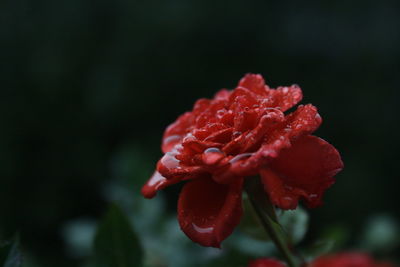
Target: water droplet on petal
(236,134)
(286,201)
(298,126)
(169,160)
(171,138)
(189,137)
(212,150)
(240,156)
(202,230)
(156,180)
(278,143)
(311,196)
(212,155)
(268,152)
(220,113)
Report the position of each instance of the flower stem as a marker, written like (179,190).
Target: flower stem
(265,212)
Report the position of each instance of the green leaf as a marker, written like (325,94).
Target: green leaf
(115,243)
(381,234)
(318,248)
(266,213)
(330,240)
(250,224)
(10,255)
(295,223)
(255,188)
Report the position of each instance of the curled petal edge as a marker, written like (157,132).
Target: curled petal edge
(208,212)
(305,170)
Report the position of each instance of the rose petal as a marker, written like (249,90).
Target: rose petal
(169,142)
(265,262)
(306,170)
(247,163)
(177,171)
(304,120)
(254,82)
(221,136)
(286,97)
(222,94)
(155,183)
(255,136)
(176,131)
(208,212)
(344,259)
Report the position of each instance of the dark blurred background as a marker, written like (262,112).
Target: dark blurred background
(85,83)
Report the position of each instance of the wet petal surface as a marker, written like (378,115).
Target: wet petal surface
(305,170)
(348,259)
(155,183)
(208,212)
(239,133)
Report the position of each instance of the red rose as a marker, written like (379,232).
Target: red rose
(264,262)
(240,133)
(348,259)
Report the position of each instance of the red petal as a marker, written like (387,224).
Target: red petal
(208,212)
(169,142)
(264,262)
(254,82)
(222,95)
(304,120)
(255,136)
(345,259)
(286,97)
(155,183)
(221,136)
(176,131)
(306,170)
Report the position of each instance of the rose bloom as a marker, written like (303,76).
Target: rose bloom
(237,134)
(265,262)
(348,259)
(344,259)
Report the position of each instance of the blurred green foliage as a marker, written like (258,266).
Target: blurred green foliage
(10,254)
(115,243)
(87,88)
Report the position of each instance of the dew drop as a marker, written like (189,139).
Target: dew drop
(313,196)
(287,201)
(236,134)
(278,143)
(240,156)
(189,137)
(169,160)
(202,230)
(212,150)
(212,155)
(156,180)
(268,152)
(171,138)
(299,126)
(220,113)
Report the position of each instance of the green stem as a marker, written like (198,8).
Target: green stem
(265,211)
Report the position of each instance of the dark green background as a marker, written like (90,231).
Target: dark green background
(82,80)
